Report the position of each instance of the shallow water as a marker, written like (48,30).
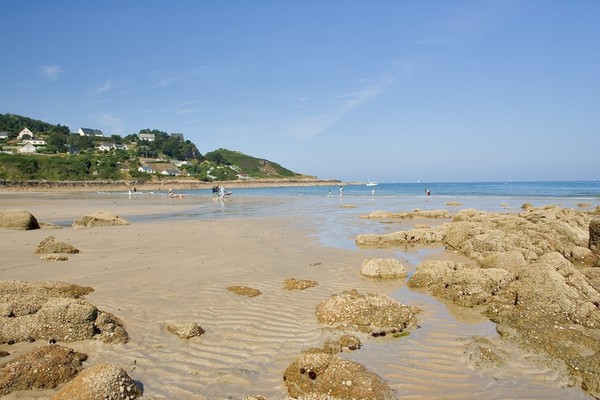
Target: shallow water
(250,341)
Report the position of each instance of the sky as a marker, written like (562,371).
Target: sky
(391,91)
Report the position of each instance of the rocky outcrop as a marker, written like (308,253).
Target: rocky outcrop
(53,310)
(464,285)
(101,381)
(382,268)
(44,367)
(319,373)
(524,276)
(413,236)
(185,330)
(244,291)
(52,245)
(594,242)
(298,284)
(376,314)
(18,220)
(97,219)
(414,214)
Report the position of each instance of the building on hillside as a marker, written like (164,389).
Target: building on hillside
(90,132)
(25,134)
(146,169)
(35,141)
(107,146)
(170,172)
(27,148)
(147,136)
(3,135)
(178,136)
(74,149)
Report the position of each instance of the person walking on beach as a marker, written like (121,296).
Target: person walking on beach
(222,193)
(341,191)
(427,192)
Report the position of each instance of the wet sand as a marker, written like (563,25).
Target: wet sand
(157,271)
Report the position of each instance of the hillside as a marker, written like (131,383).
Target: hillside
(248,165)
(62,156)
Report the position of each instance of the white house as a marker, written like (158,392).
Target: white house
(3,135)
(147,136)
(105,146)
(24,132)
(27,148)
(90,132)
(146,169)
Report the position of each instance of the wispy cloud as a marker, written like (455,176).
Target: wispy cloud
(51,72)
(472,21)
(339,106)
(107,85)
(161,79)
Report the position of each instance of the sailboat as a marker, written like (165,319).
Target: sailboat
(371,183)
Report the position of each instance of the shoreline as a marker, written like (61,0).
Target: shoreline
(180,184)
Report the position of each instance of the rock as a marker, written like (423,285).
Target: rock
(54,257)
(413,236)
(244,291)
(414,214)
(53,310)
(370,313)
(553,309)
(100,218)
(463,285)
(320,373)
(382,268)
(594,242)
(101,381)
(297,284)
(185,330)
(512,260)
(51,245)
(483,355)
(18,220)
(44,367)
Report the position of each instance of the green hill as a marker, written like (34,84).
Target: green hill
(133,159)
(248,165)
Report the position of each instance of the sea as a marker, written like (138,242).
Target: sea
(486,196)
(337,211)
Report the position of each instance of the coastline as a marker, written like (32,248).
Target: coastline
(180,184)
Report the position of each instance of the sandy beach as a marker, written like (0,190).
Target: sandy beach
(163,270)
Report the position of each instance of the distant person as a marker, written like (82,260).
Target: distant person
(134,189)
(215,192)
(341,191)
(427,192)
(222,193)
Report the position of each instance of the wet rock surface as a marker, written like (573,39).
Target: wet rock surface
(100,381)
(44,367)
(386,268)
(376,314)
(98,219)
(185,330)
(320,373)
(298,284)
(244,291)
(53,311)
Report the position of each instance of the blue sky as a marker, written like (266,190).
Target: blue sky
(397,91)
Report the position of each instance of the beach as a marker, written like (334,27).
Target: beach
(177,258)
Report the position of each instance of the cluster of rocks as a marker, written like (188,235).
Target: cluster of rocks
(53,311)
(17,219)
(534,273)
